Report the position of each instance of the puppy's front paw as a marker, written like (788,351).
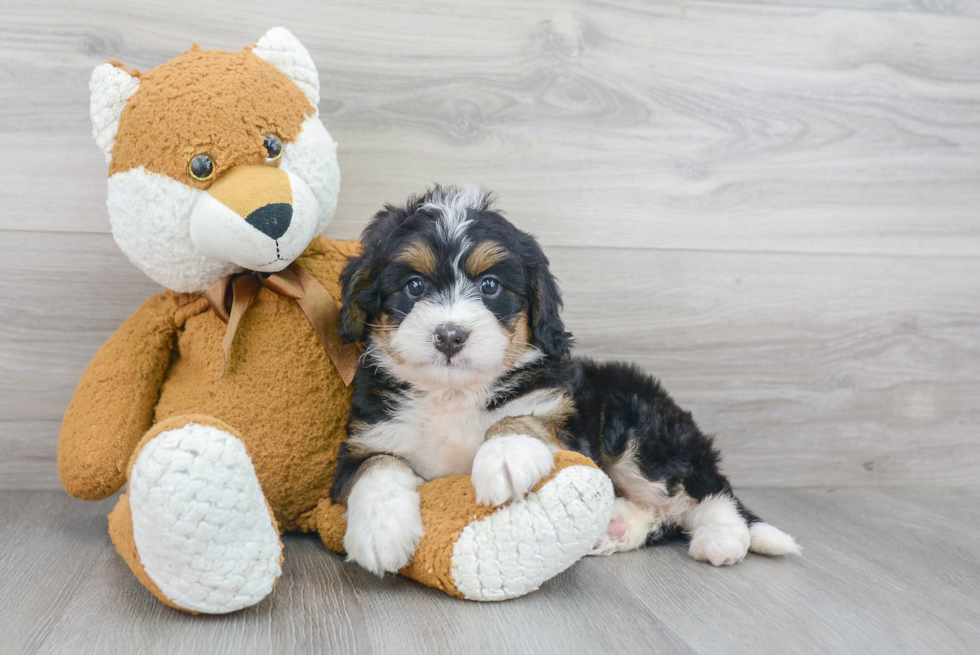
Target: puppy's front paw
(505,468)
(720,544)
(384,524)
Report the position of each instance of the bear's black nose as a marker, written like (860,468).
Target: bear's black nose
(271,220)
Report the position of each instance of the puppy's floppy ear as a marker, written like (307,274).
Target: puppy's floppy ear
(361,298)
(361,293)
(544,303)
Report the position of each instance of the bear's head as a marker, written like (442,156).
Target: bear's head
(218,161)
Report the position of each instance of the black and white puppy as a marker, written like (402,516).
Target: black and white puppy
(467,371)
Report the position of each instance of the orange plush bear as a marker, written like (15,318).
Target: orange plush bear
(223,400)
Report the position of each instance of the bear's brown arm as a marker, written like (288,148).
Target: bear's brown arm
(114,401)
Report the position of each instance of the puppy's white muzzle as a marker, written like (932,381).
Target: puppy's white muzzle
(258,217)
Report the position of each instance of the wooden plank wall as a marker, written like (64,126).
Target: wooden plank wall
(773,206)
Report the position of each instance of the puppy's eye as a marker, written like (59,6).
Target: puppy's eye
(273,147)
(490,286)
(415,287)
(201,168)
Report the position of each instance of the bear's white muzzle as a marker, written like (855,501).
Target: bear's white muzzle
(258,217)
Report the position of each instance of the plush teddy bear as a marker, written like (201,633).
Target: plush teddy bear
(223,400)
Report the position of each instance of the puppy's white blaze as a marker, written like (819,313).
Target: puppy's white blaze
(453,204)
(463,290)
(719,534)
(147,209)
(506,467)
(219,233)
(769,540)
(384,522)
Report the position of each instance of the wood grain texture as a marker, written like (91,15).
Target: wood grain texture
(772,206)
(952,7)
(28,451)
(678,124)
(815,369)
(884,571)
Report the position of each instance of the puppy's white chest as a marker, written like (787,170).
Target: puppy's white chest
(448,432)
(438,434)
(452,441)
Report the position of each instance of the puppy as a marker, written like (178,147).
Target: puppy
(467,371)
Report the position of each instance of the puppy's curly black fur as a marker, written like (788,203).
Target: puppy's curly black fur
(461,317)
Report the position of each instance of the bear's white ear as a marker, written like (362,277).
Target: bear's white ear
(110,89)
(284,51)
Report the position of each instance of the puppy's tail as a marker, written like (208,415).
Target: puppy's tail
(767,539)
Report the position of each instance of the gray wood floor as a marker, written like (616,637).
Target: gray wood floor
(884,570)
(771,205)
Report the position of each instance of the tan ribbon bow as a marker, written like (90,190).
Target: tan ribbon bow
(231,296)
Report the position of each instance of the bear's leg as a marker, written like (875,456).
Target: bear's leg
(194,526)
(477,552)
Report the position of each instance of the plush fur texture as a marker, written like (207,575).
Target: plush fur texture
(218,465)
(174,482)
(111,87)
(467,369)
(151,125)
(483,552)
(280,392)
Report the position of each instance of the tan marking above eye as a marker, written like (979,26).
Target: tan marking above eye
(483,256)
(420,257)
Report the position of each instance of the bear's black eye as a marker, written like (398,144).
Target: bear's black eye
(273,147)
(490,286)
(201,168)
(415,287)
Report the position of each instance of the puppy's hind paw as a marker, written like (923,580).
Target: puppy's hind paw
(720,544)
(610,541)
(629,528)
(506,468)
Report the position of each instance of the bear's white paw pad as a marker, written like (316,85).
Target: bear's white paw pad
(720,544)
(201,525)
(384,522)
(515,549)
(506,468)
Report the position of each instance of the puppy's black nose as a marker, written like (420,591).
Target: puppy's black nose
(449,339)
(272,220)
